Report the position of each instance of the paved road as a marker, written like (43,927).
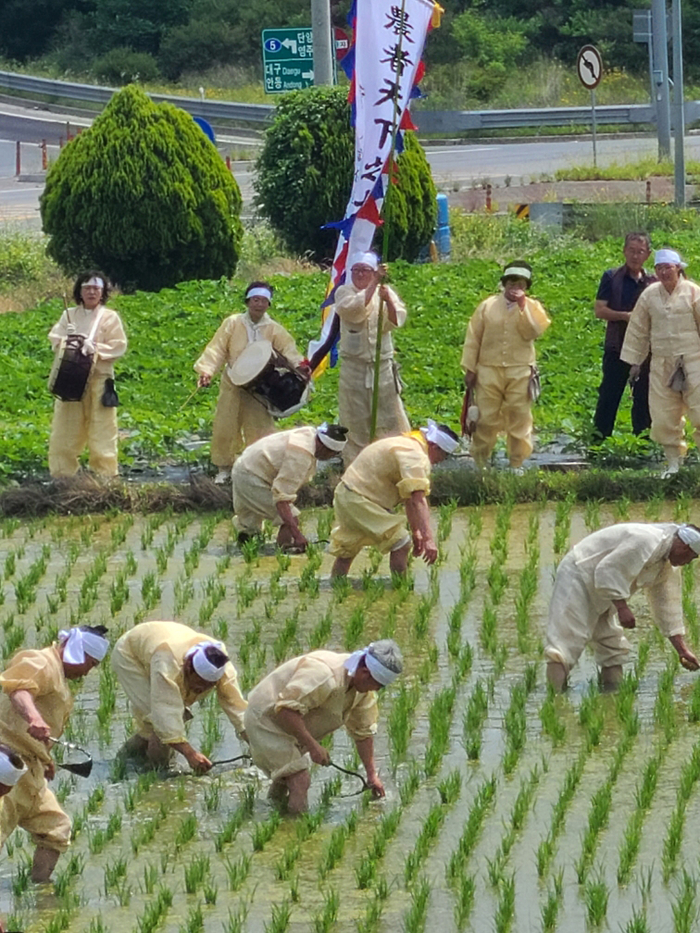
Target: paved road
(454,166)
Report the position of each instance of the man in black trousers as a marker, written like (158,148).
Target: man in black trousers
(617,295)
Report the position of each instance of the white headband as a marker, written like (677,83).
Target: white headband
(9,775)
(435,435)
(201,663)
(669,255)
(366,259)
(77,643)
(519,271)
(259,291)
(330,442)
(95,280)
(690,536)
(379,672)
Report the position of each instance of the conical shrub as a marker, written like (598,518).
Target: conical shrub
(144,195)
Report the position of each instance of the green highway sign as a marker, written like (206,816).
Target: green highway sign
(288,59)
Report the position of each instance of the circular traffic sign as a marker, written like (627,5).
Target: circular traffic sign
(589,66)
(272,45)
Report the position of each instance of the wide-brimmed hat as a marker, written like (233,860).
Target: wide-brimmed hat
(518,269)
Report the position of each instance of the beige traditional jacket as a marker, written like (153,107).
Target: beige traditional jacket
(285,461)
(358,324)
(110,339)
(234,335)
(500,334)
(389,470)
(41,674)
(667,324)
(316,685)
(159,649)
(617,561)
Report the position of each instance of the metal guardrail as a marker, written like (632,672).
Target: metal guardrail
(209,109)
(427,121)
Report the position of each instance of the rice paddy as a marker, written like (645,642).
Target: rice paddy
(507,808)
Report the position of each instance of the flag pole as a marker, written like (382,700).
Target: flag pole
(385,244)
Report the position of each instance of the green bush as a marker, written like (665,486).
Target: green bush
(304,177)
(123,66)
(144,195)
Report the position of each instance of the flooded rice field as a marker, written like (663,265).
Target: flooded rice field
(506,808)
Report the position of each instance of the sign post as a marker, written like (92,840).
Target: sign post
(288,59)
(589,66)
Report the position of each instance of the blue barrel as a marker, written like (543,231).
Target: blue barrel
(442,234)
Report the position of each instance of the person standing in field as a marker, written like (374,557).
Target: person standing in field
(592,587)
(241,419)
(388,472)
(35,703)
(268,475)
(309,697)
(666,322)
(164,668)
(92,421)
(617,295)
(357,305)
(498,361)
(12,768)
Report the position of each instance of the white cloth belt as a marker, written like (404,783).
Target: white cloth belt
(201,663)
(77,643)
(9,775)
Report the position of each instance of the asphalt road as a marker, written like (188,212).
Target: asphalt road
(453,166)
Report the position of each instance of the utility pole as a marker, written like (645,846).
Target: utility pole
(663,104)
(678,104)
(323,54)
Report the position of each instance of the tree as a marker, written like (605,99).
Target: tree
(144,195)
(304,176)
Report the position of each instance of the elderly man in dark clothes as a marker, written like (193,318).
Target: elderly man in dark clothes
(617,295)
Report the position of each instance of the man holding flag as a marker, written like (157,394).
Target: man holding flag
(357,306)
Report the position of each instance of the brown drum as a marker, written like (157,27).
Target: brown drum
(70,370)
(270,378)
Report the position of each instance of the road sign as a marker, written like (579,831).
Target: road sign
(589,66)
(288,59)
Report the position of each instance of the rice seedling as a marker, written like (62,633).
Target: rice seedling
(550,909)
(638,922)
(325,919)
(596,896)
(681,507)
(552,723)
(150,877)
(591,514)
(237,920)
(155,911)
(333,851)
(285,864)
(562,525)
(100,837)
(374,909)
(237,871)
(629,848)
(472,830)
(186,831)
(21,878)
(118,592)
(131,563)
(505,910)
(150,591)
(196,873)
(450,788)
(354,629)
(97,925)
(685,904)
(473,720)
(59,921)
(426,839)
(114,872)
(264,831)
(621,509)
(280,919)
(415,916)
(321,633)
(465,895)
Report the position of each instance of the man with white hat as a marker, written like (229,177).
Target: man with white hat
(498,360)
(666,320)
(241,419)
(390,471)
(35,703)
(92,421)
(309,697)
(592,587)
(163,668)
(357,305)
(268,475)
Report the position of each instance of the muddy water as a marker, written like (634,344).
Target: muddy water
(259,601)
